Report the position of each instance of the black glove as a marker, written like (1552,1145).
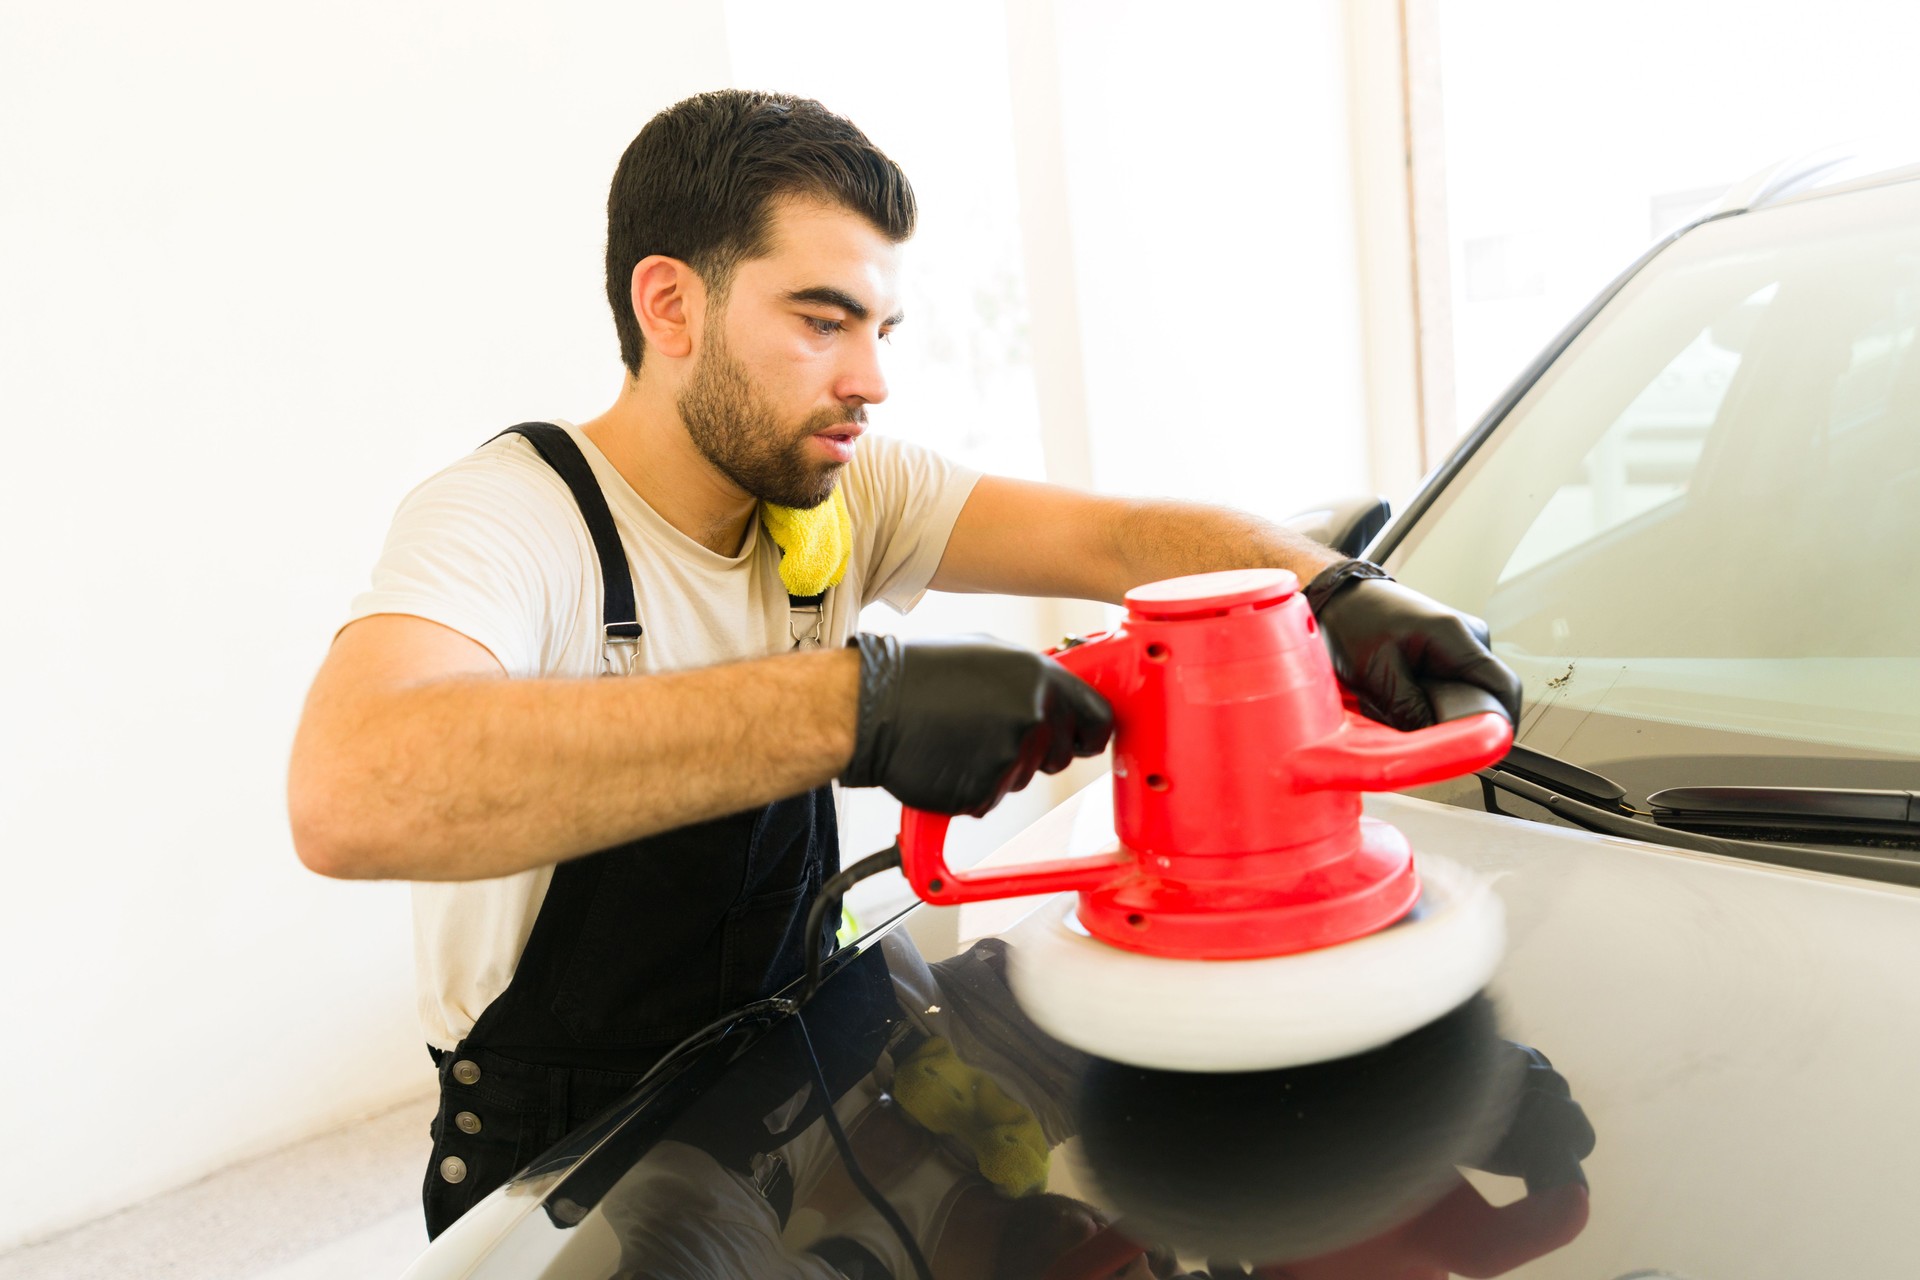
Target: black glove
(953,725)
(1398,651)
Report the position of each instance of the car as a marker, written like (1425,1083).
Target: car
(1693,526)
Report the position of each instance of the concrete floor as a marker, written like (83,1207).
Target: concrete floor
(343,1204)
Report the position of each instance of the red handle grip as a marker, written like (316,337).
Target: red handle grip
(923,859)
(1362,755)
(923,836)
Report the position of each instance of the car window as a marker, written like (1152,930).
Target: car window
(1640,462)
(1696,537)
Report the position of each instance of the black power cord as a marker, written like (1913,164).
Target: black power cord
(855,1173)
(716,1031)
(831,893)
(828,902)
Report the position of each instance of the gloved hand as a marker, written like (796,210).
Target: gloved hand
(1397,650)
(953,725)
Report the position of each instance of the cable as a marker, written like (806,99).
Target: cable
(828,903)
(717,1030)
(831,893)
(841,1143)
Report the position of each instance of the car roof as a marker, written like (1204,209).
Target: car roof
(1850,166)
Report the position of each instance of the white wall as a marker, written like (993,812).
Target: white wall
(261,269)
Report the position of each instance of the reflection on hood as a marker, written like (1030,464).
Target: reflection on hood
(955,1109)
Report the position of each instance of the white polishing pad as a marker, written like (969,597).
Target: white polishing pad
(1257,1015)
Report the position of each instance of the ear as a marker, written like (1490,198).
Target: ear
(667,295)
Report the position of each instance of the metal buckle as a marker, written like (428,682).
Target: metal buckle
(628,648)
(812,635)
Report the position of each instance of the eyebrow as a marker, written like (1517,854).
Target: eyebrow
(828,296)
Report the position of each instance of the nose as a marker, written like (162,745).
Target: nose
(860,379)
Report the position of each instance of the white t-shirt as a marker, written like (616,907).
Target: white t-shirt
(495,548)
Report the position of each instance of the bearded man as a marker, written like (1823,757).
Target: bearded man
(604,866)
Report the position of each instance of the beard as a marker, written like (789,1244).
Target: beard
(735,430)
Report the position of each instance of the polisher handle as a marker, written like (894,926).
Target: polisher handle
(1364,755)
(923,836)
(923,860)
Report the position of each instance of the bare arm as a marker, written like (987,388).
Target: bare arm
(1022,538)
(417,758)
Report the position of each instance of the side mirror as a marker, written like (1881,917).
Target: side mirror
(1347,525)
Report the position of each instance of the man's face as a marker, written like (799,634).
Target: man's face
(790,357)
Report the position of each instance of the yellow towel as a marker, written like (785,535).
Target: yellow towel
(816,543)
(950,1098)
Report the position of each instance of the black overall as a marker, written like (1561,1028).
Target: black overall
(634,947)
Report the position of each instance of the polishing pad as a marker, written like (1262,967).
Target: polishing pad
(1255,1015)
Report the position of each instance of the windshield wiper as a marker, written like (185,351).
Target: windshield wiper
(1838,811)
(1565,778)
(1597,803)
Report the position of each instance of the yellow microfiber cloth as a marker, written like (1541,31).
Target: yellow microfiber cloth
(946,1096)
(815,543)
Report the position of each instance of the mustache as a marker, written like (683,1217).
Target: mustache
(829,418)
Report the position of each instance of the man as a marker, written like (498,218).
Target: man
(606,865)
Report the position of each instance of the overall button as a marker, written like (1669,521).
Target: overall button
(453,1169)
(466,1072)
(468,1122)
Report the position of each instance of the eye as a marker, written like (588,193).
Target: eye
(825,328)
(886,335)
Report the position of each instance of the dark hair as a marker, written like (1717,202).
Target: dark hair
(699,181)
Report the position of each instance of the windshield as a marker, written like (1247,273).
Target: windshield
(1696,538)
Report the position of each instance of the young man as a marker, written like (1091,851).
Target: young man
(606,865)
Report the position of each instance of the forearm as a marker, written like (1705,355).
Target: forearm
(1151,540)
(470,778)
(1023,538)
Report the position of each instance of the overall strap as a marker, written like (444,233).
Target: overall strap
(805,617)
(620,620)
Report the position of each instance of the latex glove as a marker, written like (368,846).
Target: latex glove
(1397,650)
(953,725)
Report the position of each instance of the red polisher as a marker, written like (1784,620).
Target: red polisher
(1248,917)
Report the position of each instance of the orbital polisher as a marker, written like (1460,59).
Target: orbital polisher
(1248,916)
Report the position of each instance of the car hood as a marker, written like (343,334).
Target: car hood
(1742,1037)
(1739,1038)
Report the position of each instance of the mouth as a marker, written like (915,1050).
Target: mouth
(837,440)
(842,432)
